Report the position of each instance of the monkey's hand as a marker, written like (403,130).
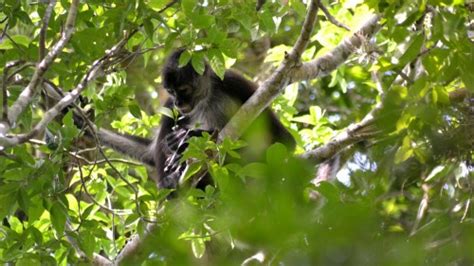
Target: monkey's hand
(177,140)
(176,143)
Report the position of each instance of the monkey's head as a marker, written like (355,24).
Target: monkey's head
(184,84)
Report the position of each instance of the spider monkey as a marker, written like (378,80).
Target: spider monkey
(205,103)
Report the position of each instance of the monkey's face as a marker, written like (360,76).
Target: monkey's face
(183,98)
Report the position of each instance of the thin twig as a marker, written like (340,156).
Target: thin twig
(18,70)
(85,160)
(86,190)
(332,19)
(44,28)
(167,6)
(4,32)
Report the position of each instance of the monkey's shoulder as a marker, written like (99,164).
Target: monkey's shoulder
(237,86)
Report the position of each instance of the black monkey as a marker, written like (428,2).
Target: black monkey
(205,103)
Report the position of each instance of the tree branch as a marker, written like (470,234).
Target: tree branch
(44,28)
(70,97)
(271,87)
(27,94)
(7,68)
(96,260)
(324,65)
(132,250)
(332,19)
(350,135)
(267,91)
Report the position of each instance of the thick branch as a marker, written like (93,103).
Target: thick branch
(269,88)
(27,94)
(352,134)
(133,250)
(326,64)
(275,83)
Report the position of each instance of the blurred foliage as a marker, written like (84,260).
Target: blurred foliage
(402,198)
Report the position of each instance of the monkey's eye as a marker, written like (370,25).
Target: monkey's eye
(185,90)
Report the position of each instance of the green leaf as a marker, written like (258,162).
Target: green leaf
(266,20)
(190,171)
(276,155)
(299,7)
(27,262)
(36,209)
(198,63)
(217,62)
(413,50)
(36,234)
(58,216)
(202,21)
(87,243)
(329,191)
(440,95)
(404,152)
(466,59)
(229,47)
(157,5)
(188,6)
(135,110)
(215,36)
(149,28)
(256,170)
(198,246)
(184,58)
(438,171)
(220,175)
(8,204)
(22,40)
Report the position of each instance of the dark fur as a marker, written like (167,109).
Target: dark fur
(214,102)
(207,103)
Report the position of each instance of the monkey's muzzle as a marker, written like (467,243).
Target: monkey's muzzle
(185,108)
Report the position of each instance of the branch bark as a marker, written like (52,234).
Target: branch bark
(44,28)
(350,135)
(132,250)
(27,94)
(94,71)
(271,87)
(292,71)
(324,65)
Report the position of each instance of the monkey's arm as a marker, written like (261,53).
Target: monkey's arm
(241,88)
(136,147)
